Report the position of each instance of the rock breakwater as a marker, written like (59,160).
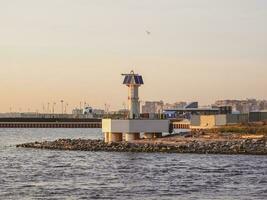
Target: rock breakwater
(246,146)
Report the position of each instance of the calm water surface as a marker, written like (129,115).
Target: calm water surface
(47,174)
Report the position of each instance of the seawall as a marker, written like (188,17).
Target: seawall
(49,123)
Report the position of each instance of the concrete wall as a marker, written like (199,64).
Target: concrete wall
(207,121)
(237,118)
(135,126)
(195,120)
(220,120)
(257,116)
(211,121)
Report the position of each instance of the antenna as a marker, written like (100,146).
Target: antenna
(62,105)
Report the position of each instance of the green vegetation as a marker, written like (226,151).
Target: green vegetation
(243,129)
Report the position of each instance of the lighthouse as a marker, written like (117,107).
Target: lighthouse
(130,129)
(133,82)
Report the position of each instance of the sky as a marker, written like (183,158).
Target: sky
(75,50)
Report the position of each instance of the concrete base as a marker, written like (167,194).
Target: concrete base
(113,137)
(132,136)
(152,135)
(106,135)
(158,135)
(114,128)
(135,126)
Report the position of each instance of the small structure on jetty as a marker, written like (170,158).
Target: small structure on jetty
(130,129)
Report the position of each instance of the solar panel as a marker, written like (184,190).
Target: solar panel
(136,80)
(141,80)
(129,78)
(125,80)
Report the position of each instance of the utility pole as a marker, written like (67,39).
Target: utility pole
(66,106)
(48,107)
(105,108)
(62,106)
(53,109)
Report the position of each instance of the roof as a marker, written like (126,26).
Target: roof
(169,111)
(259,111)
(193,109)
(133,79)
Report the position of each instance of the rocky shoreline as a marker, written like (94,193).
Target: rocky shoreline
(241,146)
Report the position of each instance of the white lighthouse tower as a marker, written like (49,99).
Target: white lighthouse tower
(133,81)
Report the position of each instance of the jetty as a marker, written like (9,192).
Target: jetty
(50,123)
(202,144)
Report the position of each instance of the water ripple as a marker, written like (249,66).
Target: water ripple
(44,174)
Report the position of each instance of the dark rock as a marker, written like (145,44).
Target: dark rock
(248,146)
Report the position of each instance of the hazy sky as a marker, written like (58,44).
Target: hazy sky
(76,50)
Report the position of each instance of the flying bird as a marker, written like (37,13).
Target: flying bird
(148,32)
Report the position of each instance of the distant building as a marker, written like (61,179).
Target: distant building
(153,107)
(176,105)
(99,112)
(214,121)
(193,109)
(191,105)
(243,106)
(123,112)
(10,115)
(88,112)
(77,111)
(188,112)
(263,105)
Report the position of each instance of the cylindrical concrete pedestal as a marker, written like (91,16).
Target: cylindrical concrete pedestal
(132,136)
(106,135)
(152,135)
(113,137)
(148,135)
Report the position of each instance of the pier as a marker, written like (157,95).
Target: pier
(72,123)
(49,123)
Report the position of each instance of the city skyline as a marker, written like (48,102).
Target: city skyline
(185,50)
(59,107)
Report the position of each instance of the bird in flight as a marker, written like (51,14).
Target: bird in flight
(148,32)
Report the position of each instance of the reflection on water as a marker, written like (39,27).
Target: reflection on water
(35,173)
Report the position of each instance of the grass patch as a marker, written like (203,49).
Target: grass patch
(242,129)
